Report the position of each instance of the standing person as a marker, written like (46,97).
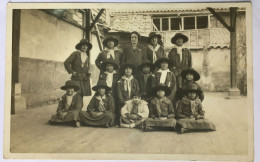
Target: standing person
(180,57)
(134,53)
(77,64)
(155,48)
(110,52)
(70,105)
(101,109)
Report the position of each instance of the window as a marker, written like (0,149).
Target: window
(165,24)
(202,22)
(189,23)
(156,22)
(175,23)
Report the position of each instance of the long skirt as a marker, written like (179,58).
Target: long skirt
(150,122)
(85,85)
(71,116)
(201,124)
(106,118)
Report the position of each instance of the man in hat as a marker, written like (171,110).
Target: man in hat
(161,109)
(190,112)
(155,48)
(77,64)
(101,109)
(180,56)
(70,104)
(110,52)
(146,79)
(134,112)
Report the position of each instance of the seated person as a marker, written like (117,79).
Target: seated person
(161,110)
(134,112)
(70,105)
(190,112)
(101,109)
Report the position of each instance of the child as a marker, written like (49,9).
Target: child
(161,110)
(180,56)
(146,79)
(190,112)
(101,108)
(127,86)
(110,52)
(190,76)
(70,105)
(155,49)
(165,76)
(134,112)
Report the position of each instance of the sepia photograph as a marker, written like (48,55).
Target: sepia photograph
(136,81)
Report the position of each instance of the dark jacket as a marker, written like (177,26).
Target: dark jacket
(134,56)
(185,84)
(145,88)
(159,53)
(108,104)
(116,77)
(162,109)
(175,58)
(103,57)
(123,94)
(76,104)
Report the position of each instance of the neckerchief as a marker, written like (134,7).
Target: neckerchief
(109,79)
(192,104)
(68,101)
(127,84)
(163,75)
(111,53)
(154,49)
(101,106)
(83,56)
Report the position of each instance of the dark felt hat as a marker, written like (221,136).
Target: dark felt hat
(109,38)
(196,75)
(164,59)
(146,63)
(83,41)
(154,34)
(191,88)
(179,35)
(71,84)
(166,89)
(126,65)
(109,61)
(101,84)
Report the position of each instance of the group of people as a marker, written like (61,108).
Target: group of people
(137,87)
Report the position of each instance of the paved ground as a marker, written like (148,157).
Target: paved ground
(30,133)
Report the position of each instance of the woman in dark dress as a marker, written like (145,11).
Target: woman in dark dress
(155,49)
(77,64)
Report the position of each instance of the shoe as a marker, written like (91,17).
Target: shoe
(77,124)
(181,131)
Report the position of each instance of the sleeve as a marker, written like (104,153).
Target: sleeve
(60,107)
(68,62)
(145,111)
(164,53)
(179,111)
(125,110)
(98,60)
(111,105)
(151,110)
(124,59)
(201,112)
(137,86)
(79,103)
(144,54)
(201,94)
(174,88)
(190,59)
(171,58)
(91,105)
(119,92)
(171,108)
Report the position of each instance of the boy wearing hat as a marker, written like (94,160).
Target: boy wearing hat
(134,112)
(100,111)
(190,112)
(161,110)
(77,64)
(165,76)
(190,76)
(180,56)
(110,52)
(146,79)
(70,105)
(155,48)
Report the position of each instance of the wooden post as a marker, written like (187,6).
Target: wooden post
(233,56)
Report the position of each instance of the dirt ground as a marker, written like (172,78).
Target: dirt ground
(31,133)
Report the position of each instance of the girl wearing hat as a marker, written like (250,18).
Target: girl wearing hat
(165,76)
(77,64)
(100,111)
(110,52)
(127,86)
(155,48)
(180,56)
(161,111)
(134,53)
(190,112)
(70,105)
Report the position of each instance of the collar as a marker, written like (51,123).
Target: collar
(160,70)
(115,49)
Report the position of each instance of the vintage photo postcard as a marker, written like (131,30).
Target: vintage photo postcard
(135,81)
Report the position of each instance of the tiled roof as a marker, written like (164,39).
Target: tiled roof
(219,38)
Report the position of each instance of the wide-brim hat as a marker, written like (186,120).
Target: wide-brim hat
(191,88)
(110,38)
(126,65)
(109,61)
(166,89)
(146,63)
(71,84)
(179,35)
(154,34)
(164,59)
(83,41)
(101,84)
(196,75)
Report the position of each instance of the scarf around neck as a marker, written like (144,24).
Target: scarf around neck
(192,104)
(101,106)
(84,57)
(69,101)
(109,79)
(111,53)
(163,75)
(127,83)
(154,49)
